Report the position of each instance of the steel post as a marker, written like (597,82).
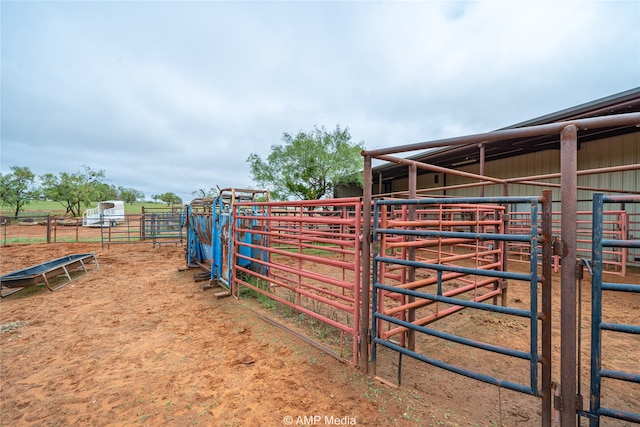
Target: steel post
(411,252)
(482,155)
(366,266)
(546,300)
(569,202)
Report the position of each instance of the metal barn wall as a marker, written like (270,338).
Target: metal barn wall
(607,152)
(615,151)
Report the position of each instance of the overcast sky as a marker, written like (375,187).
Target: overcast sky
(174,96)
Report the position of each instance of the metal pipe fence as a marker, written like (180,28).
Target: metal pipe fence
(615,226)
(156,228)
(464,276)
(605,324)
(304,256)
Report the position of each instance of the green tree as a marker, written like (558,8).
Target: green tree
(72,190)
(168,198)
(130,195)
(105,191)
(308,165)
(17,188)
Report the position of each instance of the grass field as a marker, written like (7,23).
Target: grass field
(55,208)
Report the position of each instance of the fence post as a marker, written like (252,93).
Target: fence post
(546,307)
(568,324)
(411,253)
(366,266)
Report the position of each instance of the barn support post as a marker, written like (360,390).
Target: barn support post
(366,264)
(569,201)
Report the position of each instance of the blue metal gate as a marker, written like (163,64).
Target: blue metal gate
(472,235)
(211,233)
(599,325)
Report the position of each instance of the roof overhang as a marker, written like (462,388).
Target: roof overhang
(454,157)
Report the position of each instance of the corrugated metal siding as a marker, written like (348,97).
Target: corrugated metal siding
(615,151)
(608,152)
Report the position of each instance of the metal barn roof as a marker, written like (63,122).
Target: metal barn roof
(454,157)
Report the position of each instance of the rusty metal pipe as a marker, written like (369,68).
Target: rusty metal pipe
(411,251)
(425,243)
(439,169)
(596,171)
(617,120)
(546,307)
(366,268)
(579,187)
(437,223)
(569,201)
(450,293)
(440,314)
(482,156)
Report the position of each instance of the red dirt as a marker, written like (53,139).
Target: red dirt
(138,342)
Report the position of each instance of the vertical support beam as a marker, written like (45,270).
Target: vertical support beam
(366,266)
(569,201)
(411,252)
(547,287)
(380,183)
(481,145)
(48,230)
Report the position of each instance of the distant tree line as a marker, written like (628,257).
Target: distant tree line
(307,166)
(71,190)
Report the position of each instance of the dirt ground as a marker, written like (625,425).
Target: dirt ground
(138,342)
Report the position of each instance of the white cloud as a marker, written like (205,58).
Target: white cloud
(172,96)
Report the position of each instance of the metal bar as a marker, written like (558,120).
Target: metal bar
(346,201)
(622,376)
(464,200)
(579,187)
(457,339)
(546,308)
(619,327)
(293,305)
(620,415)
(437,223)
(458,234)
(457,301)
(366,266)
(458,269)
(465,372)
(375,303)
(533,296)
(438,281)
(569,163)
(628,119)
(621,243)
(303,337)
(482,160)
(596,311)
(411,253)
(439,314)
(439,169)
(578,173)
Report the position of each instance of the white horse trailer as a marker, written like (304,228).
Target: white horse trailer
(107,214)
